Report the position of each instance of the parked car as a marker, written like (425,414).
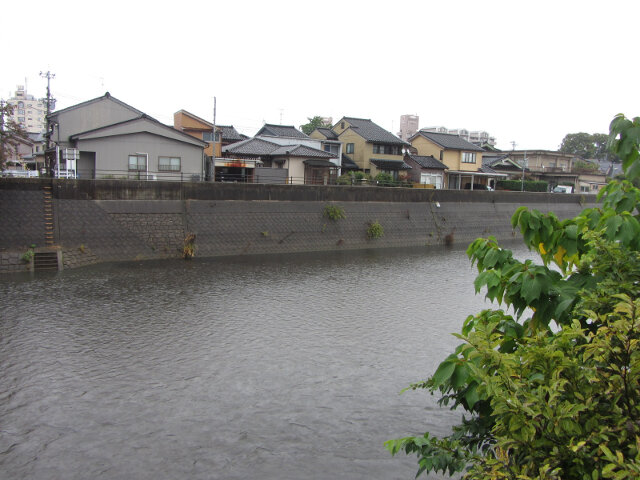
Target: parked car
(563,189)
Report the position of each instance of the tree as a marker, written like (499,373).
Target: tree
(10,133)
(551,384)
(586,145)
(315,122)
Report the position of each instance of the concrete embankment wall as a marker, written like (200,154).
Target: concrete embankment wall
(97,221)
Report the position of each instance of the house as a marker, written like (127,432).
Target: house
(19,151)
(372,148)
(426,170)
(329,142)
(462,158)
(276,162)
(106,138)
(203,130)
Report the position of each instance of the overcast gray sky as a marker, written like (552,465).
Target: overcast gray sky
(528,72)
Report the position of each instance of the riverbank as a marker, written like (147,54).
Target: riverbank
(107,220)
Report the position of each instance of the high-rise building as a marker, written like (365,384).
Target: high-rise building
(408,126)
(477,137)
(29,111)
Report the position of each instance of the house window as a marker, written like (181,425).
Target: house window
(169,164)
(431,179)
(468,157)
(137,162)
(387,149)
(349,148)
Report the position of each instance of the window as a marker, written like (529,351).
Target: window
(387,149)
(468,157)
(20,104)
(431,179)
(349,148)
(169,164)
(21,111)
(138,162)
(207,136)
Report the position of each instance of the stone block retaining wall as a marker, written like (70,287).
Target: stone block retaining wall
(98,221)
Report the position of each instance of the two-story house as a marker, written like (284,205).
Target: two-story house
(462,158)
(372,148)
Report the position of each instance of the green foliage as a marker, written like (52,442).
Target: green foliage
(551,383)
(385,180)
(334,212)
(529,185)
(585,145)
(315,122)
(27,256)
(345,179)
(375,230)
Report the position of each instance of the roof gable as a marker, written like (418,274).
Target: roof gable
(105,98)
(302,151)
(370,131)
(448,141)
(281,131)
(327,133)
(251,146)
(141,124)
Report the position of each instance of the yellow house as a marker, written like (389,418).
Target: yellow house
(462,158)
(372,148)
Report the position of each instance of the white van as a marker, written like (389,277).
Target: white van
(563,189)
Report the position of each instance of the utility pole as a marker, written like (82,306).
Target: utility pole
(47,134)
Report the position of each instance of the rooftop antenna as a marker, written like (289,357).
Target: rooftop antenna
(281,110)
(513,145)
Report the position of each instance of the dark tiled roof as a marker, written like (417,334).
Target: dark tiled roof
(486,169)
(348,163)
(230,133)
(301,151)
(372,132)
(428,162)
(320,163)
(328,133)
(390,164)
(281,131)
(450,141)
(251,146)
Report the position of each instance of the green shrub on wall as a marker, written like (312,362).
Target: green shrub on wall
(375,230)
(516,185)
(334,212)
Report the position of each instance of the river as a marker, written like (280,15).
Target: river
(280,367)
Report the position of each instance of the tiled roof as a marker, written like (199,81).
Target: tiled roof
(348,163)
(449,140)
(428,162)
(390,164)
(260,147)
(251,146)
(372,132)
(281,131)
(230,133)
(301,151)
(320,163)
(328,133)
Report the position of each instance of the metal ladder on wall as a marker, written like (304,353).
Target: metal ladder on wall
(47,259)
